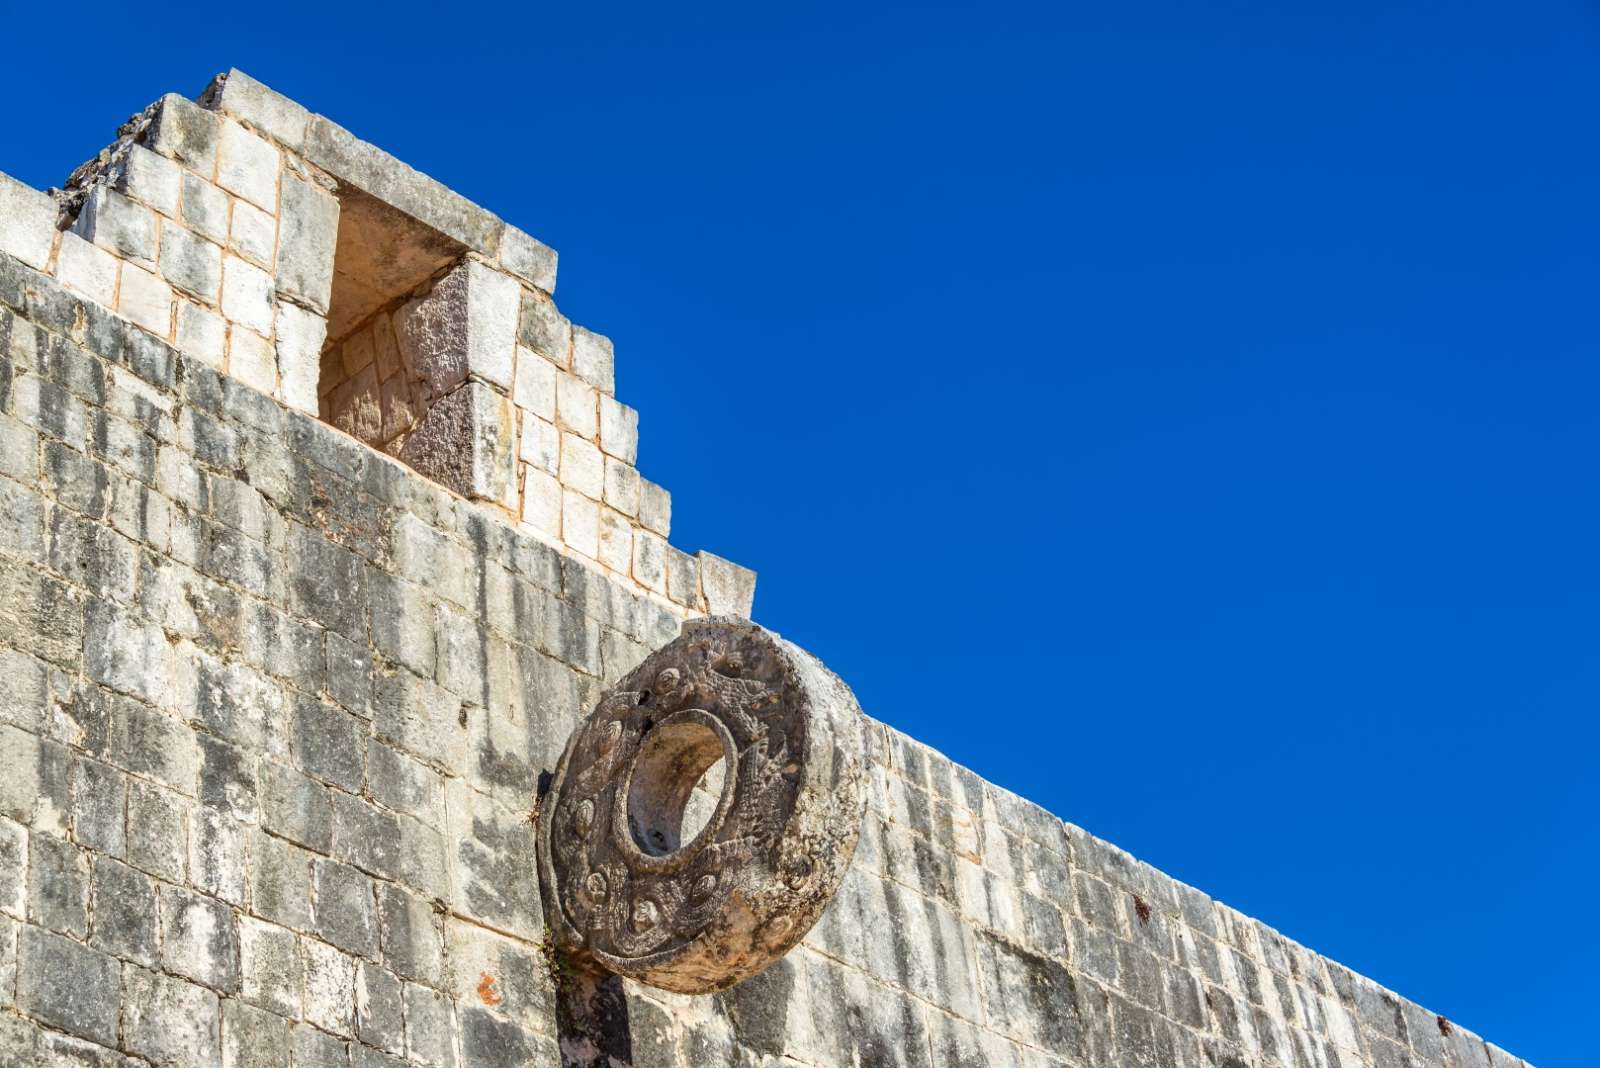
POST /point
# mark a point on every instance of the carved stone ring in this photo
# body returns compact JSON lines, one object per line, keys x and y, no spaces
{"x":625,"y":887}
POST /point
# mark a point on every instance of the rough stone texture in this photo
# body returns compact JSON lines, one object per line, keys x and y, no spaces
{"x":698,"y":912}
{"x":190,"y":569}
{"x":27,"y":222}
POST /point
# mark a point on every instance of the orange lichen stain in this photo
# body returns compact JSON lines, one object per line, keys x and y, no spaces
{"x":486,"y":990}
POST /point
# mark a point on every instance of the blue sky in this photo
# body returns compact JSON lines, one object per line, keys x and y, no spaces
{"x":1186,"y":415}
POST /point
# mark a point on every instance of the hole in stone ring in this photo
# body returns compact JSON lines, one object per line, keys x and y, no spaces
{"x":663,"y":809}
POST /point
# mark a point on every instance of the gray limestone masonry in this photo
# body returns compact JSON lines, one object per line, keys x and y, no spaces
{"x":284,"y":674}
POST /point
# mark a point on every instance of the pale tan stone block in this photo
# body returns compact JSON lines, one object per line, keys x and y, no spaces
{"x":593,"y":360}
{"x":582,"y":468}
{"x":535,"y":389}
{"x":655,"y":507}
{"x":146,"y":300}
{"x":300,"y":336}
{"x":577,"y":406}
{"x":616,"y":541}
{"x":541,"y":501}
{"x":202,"y":334}
{"x":650,"y":561}
{"x":580,"y":523}
{"x":251,"y":360}
{"x":622,"y":486}
{"x":248,"y":166}
{"x":87,"y":268}
{"x":247,"y":295}
{"x":149,"y":179}
{"x":619,"y":429}
{"x":253,"y":233}
{"x":541,"y":444}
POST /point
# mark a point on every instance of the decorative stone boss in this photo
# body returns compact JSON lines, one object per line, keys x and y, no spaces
{"x":624,"y":889}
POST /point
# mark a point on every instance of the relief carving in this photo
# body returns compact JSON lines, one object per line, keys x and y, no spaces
{"x":700,"y":912}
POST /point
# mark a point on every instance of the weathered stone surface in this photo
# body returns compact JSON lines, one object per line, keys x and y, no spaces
{"x":528,"y":258}
{"x":117,"y":224}
{"x":705,"y":911}
{"x":27,"y":222}
{"x":186,"y":132}
{"x":309,"y":222}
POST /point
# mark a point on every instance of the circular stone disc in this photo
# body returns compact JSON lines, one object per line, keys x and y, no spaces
{"x":652,"y":896}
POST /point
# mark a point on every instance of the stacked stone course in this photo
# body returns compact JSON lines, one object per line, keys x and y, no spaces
{"x":274,"y":710}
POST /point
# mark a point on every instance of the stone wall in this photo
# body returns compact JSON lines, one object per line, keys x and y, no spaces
{"x":275,"y":710}
{"x":268,"y":243}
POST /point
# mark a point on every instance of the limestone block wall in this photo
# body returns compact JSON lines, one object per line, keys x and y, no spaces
{"x":274,"y":713}
{"x":275,"y":247}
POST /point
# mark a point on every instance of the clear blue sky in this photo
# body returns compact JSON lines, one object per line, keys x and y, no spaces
{"x":1186,"y":415}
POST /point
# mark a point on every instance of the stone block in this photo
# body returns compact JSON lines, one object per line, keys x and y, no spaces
{"x":205,"y":209}
{"x":58,"y":886}
{"x":593,"y":359}
{"x":622,"y":486}
{"x":616,"y":541}
{"x":345,"y":908}
{"x":252,"y":233}
{"x":528,"y":258}
{"x":403,"y":625}
{"x":270,"y":112}
{"x":300,"y":337}
{"x":251,"y":360}
{"x":540,"y":444}
{"x":146,"y":300}
{"x":544,"y":330}
{"x":247,"y":295}
{"x":296,"y":807}
{"x":309,"y":231}
{"x":170,"y":1022}
{"x":655,"y":508}
{"x":252,"y":1038}
{"x":577,"y":407}
{"x":149,"y":178}
{"x":125,"y":913}
{"x":199,"y":939}
{"x":541,"y":501}
{"x":580,"y":523}
{"x":27,"y":222}
{"x":88,"y":269}
{"x":582,"y":467}
{"x":352,"y":160}
{"x":493,"y":301}
{"x":247,"y":166}
{"x":683,"y":577}
{"x":124,"y":228}
{"x":728,"y":588}
{"x":217,"y":854}
{"x":202,"y":334}
{"x":191,"y":263}
{"x":330,"y":983}
{"x":411,"y":936}
{"x":329,"y":743}
{"x":13,"y":869}
{"x":650,"y":561}
{"x":184,"y":131}
{"x":280,"y":882}
{"x":158,"y":831}
{"x":69,"y":986}
{"x":430,"y":1027}
{"x":270,"y":966}
{"x":380,"y":1010}
{"x":498,"y":972}
{"x":619,"y":430}
{"x":535,"y":389}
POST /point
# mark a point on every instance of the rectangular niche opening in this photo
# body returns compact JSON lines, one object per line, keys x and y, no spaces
{"x":395,"y":345}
